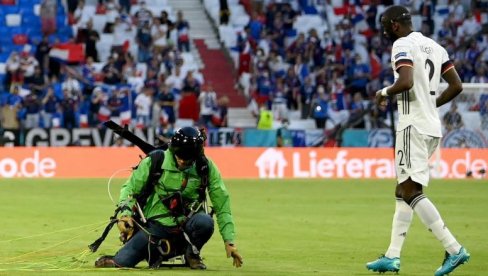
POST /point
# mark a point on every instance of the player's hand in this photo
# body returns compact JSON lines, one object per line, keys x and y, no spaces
{"x":381,"y":100}
{"x":231,"y":251}
{"x":126,"y":228}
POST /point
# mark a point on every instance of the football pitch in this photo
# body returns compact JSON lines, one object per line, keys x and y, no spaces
{"x":284,"y":227}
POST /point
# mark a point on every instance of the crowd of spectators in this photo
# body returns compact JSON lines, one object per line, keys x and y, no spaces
{"x":332,"y":76}
{"x":149,"y":86}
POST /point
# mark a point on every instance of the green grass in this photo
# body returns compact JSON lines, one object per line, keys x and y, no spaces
{"x":293,"y":227}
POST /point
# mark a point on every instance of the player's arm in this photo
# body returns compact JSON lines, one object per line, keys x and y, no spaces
{"x":453,"y":89}
{"x":404,"y":81}
{"x":402,"y":84}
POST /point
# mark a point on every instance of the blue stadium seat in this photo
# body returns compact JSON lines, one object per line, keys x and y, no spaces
{"x":33,"y":30}
{"x":26,"y":10}
{"x":4,"y":56}
{"x":3,"y":98}
{"x":65,"y":31}
{"x":17,"y":30}
{"x":60,"y":21}
{"x":29,"y":20}
{"x":7,"y":9}
{"x":28,"y":3}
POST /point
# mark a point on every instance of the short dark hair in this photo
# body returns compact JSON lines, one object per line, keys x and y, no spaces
{"x":398,"y":14}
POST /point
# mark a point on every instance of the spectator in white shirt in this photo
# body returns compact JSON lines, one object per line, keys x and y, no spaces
{"x":175,"y":81}
{"x":208,"y":105}
{"x":72,"y":85}
{"x":143,"y":103}
{"x":469,"y":27}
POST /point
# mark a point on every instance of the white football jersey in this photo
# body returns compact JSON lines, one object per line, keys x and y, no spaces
{"x":429,"y":60}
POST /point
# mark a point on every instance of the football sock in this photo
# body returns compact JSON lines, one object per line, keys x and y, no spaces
{"x":401,"y":222}
{"x":431,"y":218}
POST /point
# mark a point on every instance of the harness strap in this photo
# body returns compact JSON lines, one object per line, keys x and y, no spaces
{"x":113,"y":219}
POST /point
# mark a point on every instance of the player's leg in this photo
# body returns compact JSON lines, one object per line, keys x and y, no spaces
{"x":402,"y":218}
{"x":400,"y":225}
{"x":419,"y":148}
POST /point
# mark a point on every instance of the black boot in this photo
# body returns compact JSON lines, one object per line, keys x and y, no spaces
{"x":193,"y":260}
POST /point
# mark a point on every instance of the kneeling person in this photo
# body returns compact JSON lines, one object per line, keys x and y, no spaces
{"x":177,"y":223}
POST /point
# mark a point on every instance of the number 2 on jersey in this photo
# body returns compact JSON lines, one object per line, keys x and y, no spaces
{"x":431,"y":66}
{"x":400,"y":154}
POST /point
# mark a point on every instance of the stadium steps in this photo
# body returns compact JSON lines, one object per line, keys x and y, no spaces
{"x":220,"y":72}
{"x":241,"y":118}
{"x":206,"y":49}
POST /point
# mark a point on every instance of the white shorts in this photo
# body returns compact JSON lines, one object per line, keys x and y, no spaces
{"x":412,"y":154}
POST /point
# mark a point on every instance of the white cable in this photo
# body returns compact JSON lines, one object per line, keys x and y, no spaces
{"x":110,"y":180}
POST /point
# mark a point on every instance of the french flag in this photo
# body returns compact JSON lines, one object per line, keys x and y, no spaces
{"x":68,"y":52}
{"x":103,"y":113}
{"x":125,"y":117}
{"x":83,"y":120}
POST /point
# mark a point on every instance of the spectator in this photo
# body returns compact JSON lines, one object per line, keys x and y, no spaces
{"x":9,"y":111}
{"x":125,"y":6}
{"x":114,"y":105}
{"x":81,"y":16}
{"x":357,"y":112}
{"x":122,"y":31}
{"x":166,"y":23}
{"x":279,"y":103}
{"x":208,"y":105}
{"x":224,"y":13}
{"x":144,"y":42}
{"x":98,"y":98}
{"x":469,"y":27}
{"x":167,"y":103}
{"x":72,"y":85}
{"x":283,"y":135}
{"x":49,"y":108}
{"x":220,"y":118}
{"x":305,"y":97}
{"x":42,"y":54}
{"x":183,"y":33}
{"x":320,"y":107}
{"x":111,"y":73}
{"x":89,"y":37}
{"x":361,"y":75}
{"x":158,"y":33}
{"x":265,"y":118}
{"x":28,"y":63}
{"x":37,"y":83}
{"x":175,"y":81}
{"x":143,"y":16}
{"x":480,"y":75}
{"x":32,"y":107}
{"x":191,"y":84}
{"x":48,"y":16}
{"x":143,"y":103}
{"x":69,"y":106}
{"x":452,"y":119}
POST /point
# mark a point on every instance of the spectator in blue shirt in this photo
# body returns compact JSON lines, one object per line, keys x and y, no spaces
{"x":320,"y":109}
{"x":49,"y":107}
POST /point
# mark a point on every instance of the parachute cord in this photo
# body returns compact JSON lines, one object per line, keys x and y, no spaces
{"x":100,"y":224}
{"x":110,"y":180}
{"x":52,"y":246}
